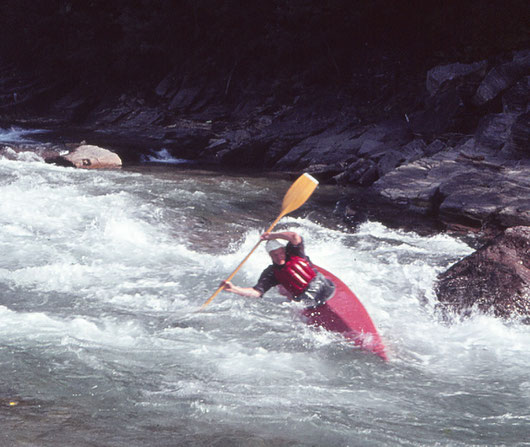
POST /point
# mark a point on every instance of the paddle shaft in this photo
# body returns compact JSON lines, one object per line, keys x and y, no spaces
{"x":242,"y":262}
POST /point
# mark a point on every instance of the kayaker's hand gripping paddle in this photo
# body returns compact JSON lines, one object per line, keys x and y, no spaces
{"x":294,"y":198}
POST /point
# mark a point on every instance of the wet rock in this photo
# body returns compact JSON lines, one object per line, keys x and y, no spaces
{"x":325,"y":172}
{"x":186,"y":139}
{"x":362,"y":172}
{"x":495,"y":279}
{"x":88,"y":157}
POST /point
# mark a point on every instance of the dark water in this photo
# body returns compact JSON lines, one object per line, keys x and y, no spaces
{"x":100,"y":345}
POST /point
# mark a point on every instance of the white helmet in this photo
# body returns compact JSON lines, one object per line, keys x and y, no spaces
{"x":274,"y":244}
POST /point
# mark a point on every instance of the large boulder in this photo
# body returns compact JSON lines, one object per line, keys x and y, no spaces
{"x":88,"y":156}
{"x":494,"y":280}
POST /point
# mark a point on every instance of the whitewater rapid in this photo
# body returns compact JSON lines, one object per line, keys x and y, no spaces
{"x":102,"y":273}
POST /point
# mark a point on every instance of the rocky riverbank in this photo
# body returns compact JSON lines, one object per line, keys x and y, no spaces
{"x":461,"y":155}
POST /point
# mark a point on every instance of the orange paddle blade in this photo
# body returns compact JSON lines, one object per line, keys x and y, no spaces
{"x":296,"y":196}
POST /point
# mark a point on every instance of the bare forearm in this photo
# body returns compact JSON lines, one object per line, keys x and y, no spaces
{"x":246,"y":291}
{"x":243,"y":291}
{"x":290,"y":236}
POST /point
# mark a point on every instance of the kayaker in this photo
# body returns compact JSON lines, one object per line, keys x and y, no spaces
{"x":291,"y":270}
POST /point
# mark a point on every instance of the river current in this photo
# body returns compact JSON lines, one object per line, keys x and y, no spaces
{"x":101,"y":344}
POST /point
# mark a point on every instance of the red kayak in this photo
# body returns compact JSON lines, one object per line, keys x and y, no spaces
{"x":344,"y":313}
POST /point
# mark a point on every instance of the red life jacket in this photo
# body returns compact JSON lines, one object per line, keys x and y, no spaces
{"x":295,"y":275}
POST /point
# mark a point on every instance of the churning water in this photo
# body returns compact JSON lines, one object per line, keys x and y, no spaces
{"x":101,"y":274}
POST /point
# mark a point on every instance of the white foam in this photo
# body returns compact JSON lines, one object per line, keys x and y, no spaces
{"x":163,"y":156}
{"x":18,"y":135}
{"x":39,"y":326}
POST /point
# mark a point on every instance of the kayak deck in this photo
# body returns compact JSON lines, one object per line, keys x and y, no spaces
{"x":344,"y":313}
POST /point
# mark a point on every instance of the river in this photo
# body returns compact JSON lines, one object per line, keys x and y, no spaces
{"x":102,"y":273}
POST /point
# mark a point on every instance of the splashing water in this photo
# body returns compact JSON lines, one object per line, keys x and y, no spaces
{"x":101,"y":274}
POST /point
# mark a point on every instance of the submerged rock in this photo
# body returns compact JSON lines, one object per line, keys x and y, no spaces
{"x":495,"y":279}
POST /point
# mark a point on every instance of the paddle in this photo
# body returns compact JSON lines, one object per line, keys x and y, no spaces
{"x":294,"y":198}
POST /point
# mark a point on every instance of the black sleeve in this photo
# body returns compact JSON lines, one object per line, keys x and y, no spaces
{"x":266,"y":280}
{"x":296,"y":250}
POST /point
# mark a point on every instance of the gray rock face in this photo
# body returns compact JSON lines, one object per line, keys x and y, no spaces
{"x":501,"y":77}
{"x":460,"y":189}
{"x":495,"y":130}
{"x":520,"y":135}
{"x":495,"y":279}
{"x":437,"y":76}
{"x":482,"y":179}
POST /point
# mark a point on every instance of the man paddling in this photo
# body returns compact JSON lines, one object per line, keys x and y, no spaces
{"x":291,"y":270}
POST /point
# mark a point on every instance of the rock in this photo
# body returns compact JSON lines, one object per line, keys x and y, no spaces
{"x":390,"y":134}
{"x":88,"y":157}
{"x":495,"y":279}
{"x":165,"y":85}
{"x":515,"y":213}
{"x":517,"y":98}
{"x":501,"y":77}
{"x":410,"y":186}
{"x":331,"y":146}
{"x":413,"y":150}
{"x":184,"y":98}
{"x":467,"y":198}
{"x":344,"y":144}
{"x":441,"y":113}
{"x":325,"y":172}
{"x":450,"y":89}
{"x":435,"y":147}
{"x":482,"y":194}
{"x":494,"y":130}
{"x":520,"y":138}
{"x":471,"y":190}
{"x":362,"y":172}
{"x":187,"y":139}
{"x":437,"y":76}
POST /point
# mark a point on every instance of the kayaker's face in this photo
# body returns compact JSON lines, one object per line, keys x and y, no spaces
{"x":278,"y":256}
